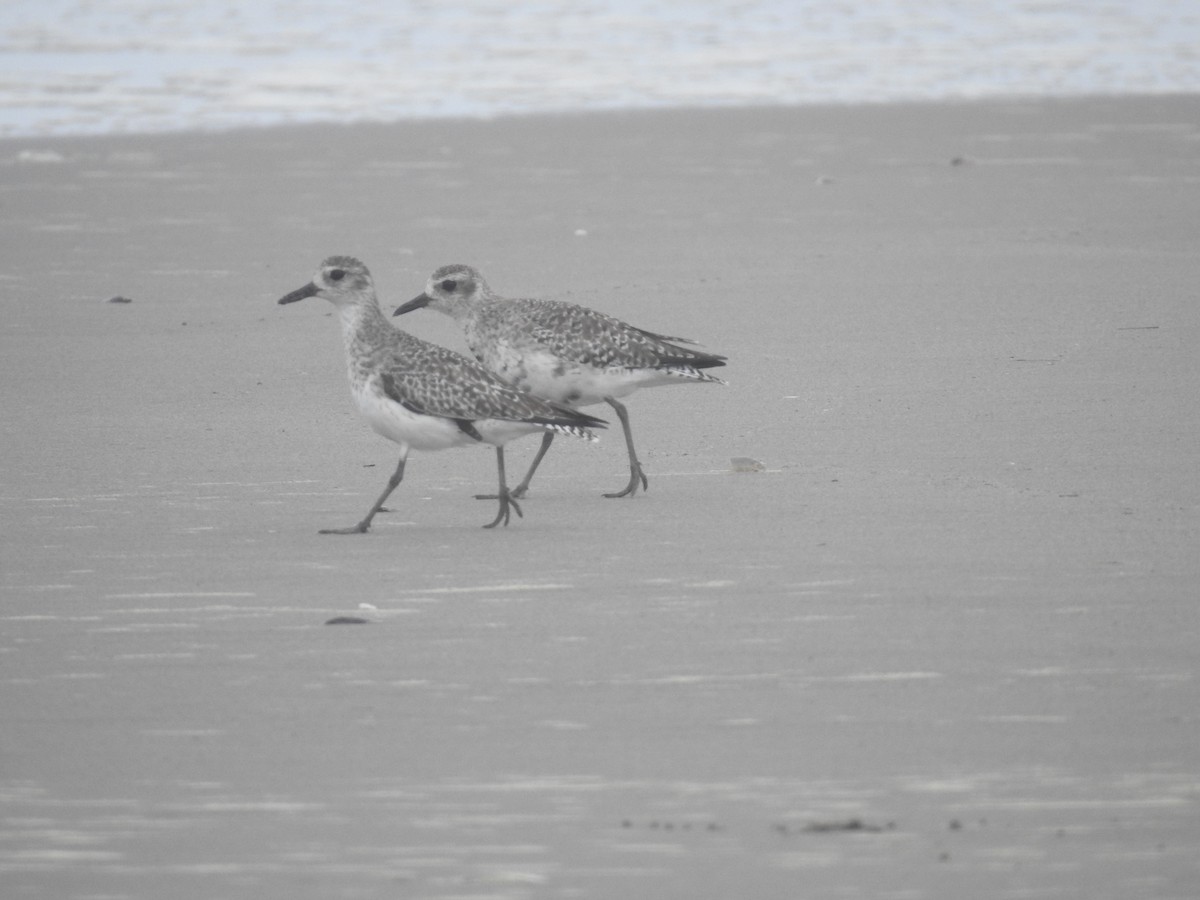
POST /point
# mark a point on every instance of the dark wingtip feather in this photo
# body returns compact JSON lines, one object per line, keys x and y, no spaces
{"x":586,"y":421}
{"x":572,"y":421}
{"x":693,"y":359}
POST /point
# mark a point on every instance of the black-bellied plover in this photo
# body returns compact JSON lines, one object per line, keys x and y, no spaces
{"x":425,"y":397}
{"x":563,"y":352}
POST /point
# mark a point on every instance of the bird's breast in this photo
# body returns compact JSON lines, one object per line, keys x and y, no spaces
{"x":397,"y":423}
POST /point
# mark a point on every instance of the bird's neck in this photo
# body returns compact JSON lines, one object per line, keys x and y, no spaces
{"x":462,"y":310}
{"x":364,"y":328}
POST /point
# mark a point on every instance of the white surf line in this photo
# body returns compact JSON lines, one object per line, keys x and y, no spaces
{"x":835,"y":582}
{"x":253,"y":483}
{"x":38,"y":587}
{"x":216,"y":612}
{"x":490,"y":589}
{"x":694,"y":679}
{"x":169,"y":596}
{"x":880,"y":676}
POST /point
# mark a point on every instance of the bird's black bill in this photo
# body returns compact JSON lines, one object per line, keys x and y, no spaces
{"x":415,"y":303}
{"x":309,"y":290}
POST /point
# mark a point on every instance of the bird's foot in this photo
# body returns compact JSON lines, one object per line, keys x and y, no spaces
{"x":360,"y":528}
{"x":636,"y":476}
{"x":517,"y":493}
{"x":507,"y":503}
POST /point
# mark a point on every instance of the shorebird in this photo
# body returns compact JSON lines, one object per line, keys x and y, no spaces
{"x":425,"y":397}
{"x":563,"y":352}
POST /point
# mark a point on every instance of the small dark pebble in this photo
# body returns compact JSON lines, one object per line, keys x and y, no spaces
{"x":348,"y":620}
{"x":119,"y":299}
{"x":846,"y":825}
{"x":664,"y":825}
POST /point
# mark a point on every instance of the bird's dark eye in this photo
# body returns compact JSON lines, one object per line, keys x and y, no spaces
{"x":337,"y":274}
{"x":449,"y":285}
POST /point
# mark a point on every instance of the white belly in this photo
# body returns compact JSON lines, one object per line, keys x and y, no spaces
{"x":408,"y":429}
{"x":547,"y":376}
{"x":420,"y":432}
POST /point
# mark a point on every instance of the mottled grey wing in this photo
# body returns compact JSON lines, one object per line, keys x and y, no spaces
{"x":594,"y":338}
{"x":440,"y":382}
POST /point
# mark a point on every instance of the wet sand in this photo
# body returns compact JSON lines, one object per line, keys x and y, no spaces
{"x":943,"y":646}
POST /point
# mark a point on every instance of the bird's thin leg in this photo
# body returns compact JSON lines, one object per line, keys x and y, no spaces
{"x":635,"y":468}
{"x":393,"y":483}
{"x":522,"y":489}
{"x":506,"y":499}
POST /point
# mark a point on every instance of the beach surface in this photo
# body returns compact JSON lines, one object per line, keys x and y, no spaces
{"x":940,"y":642}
